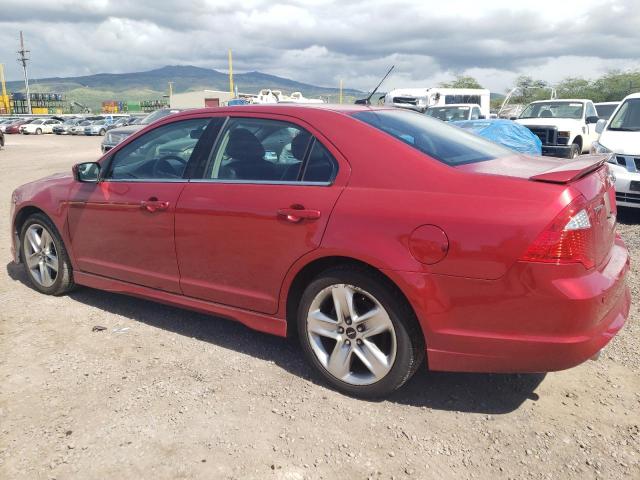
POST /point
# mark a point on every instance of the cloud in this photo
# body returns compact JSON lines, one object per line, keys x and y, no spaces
{"x":324,"y":41}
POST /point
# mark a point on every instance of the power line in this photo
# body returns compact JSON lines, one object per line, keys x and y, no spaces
{"x":23,"y":59}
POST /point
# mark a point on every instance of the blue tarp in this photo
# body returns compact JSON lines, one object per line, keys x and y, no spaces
{"x":506,"y":133}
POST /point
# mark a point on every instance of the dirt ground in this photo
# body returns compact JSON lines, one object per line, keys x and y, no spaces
{"x":165,"y":393}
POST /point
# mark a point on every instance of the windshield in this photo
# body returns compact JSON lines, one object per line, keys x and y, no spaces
{"x":438,"y":140}
{"x":71,"y":121}
{"x":86,"y":122}
{"x":627,"y":118}
{"x":554,"y":110}
{"x":157,"y":115}
{"x":605,"y":111}
{"x":37,"y":122}
{"x":449,"y":114}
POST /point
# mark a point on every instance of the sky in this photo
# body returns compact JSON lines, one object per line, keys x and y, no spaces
{"x":323,"y":41}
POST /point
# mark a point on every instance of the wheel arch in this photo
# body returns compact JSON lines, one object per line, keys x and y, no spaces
{"x":315,"y":267}
{"x":578,"y":140}
{"x":21,"y":216}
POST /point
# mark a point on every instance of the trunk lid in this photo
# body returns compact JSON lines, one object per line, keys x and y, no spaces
{"x":587,"y":175}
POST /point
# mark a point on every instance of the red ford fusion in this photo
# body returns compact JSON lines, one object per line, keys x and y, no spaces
{"x":378,"y":236}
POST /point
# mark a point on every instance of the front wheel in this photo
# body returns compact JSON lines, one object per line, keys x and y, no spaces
{"x":44,"y":256}
{"x":358,"y":333}
{"x":102,"y":132}
{"x":39,"y":131}
{"x":576,"y":150}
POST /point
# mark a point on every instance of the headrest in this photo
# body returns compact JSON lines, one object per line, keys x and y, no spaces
{"x":244,"y":146}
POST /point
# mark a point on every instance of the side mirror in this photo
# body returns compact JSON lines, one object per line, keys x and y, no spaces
{"x":513,"y":118}
{"x":592,"y":119}
{"x":600,"y":124}
{"x":482,"y":117}
{"x":88,"y":172}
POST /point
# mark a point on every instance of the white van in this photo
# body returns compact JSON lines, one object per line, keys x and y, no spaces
{"x":620,"y":135}
{"x":422,"y":98}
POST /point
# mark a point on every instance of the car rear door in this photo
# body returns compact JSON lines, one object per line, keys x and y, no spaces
{"x":123,"y":226}
{"x":263,"y":200}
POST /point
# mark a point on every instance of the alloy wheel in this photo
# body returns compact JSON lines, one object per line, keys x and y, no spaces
{"x":40,"y":255}
{"x":351,"y":334}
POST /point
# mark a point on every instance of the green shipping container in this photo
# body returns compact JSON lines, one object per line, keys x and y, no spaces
{"x":133,"y":106}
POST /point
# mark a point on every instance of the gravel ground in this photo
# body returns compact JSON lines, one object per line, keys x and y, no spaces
{"x":168,"y":394}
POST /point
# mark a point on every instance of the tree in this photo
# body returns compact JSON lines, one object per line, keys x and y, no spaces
{"x":462,"y":81}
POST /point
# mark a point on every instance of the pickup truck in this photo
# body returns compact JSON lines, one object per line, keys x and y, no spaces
{"x":567,"y":128}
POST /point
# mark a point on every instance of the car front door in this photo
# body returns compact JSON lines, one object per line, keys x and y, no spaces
{"x":263,"y":201}
{"x":123,"y":226}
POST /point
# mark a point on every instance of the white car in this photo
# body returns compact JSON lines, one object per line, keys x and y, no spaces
{"x":620,"y":135}
{"x":39,"y":126}
{"x":567,"y":128}
{"x":456,"y":112}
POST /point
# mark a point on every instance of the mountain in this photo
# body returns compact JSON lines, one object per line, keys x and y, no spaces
{"x":155,"y":83}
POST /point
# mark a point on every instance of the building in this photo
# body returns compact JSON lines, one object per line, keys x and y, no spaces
{"x":200,"y":99}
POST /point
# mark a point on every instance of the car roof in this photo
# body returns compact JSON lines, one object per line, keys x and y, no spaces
{"x":633,"y":95}
{"x":455,"y":105}
{"x":563,"y":100}
{"x":607,"y":103}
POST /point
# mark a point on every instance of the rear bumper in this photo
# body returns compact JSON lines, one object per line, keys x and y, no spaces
{"x":537,"y":318}
{"x":561,"y":151}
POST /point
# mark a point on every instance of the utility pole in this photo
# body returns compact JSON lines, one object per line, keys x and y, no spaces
{"x":230,"y":73}
{"x":23,"y":59}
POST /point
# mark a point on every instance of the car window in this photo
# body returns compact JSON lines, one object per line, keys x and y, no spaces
{"x":161,"y":154}
{"x":627,"y":117}
{"x":438,"y":140}
{"x":256,"y":149}
{"x":321,"y":166}
{"x":475,"y":113}
{"x":591,"y":110}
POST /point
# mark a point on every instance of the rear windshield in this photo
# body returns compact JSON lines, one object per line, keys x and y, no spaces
{"x":435,"y":138}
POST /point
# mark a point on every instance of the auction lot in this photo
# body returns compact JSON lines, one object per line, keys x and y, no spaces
{"x":166,"y":393}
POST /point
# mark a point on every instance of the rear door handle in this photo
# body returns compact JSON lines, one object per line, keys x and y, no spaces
{"x":154,"y":205}
{"x":295,"y":214}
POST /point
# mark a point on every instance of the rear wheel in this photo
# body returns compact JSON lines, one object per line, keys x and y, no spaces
{"x":44,"y":256}
{"x":358,"y":333}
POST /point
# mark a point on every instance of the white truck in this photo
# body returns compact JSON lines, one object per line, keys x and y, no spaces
{"x":567,"y":127}
{"x":456,"y":112}
{"x":620,"y":137}
{"x":422,"y":98}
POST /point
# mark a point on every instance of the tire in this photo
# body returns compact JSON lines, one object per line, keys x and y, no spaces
{"x":41,"y":272}
{"x":102,"y":132}
{"x":38,"y":131}
{"x":354,"y":341}
{"x":576,"y":150}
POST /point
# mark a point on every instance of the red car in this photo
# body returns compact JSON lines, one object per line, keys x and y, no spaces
{"x":14,"y":127}
{"x":378,"y":236}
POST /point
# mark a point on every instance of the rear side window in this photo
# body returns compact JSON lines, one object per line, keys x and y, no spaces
{"x":448,"y":144}
{"x":321,"y":166}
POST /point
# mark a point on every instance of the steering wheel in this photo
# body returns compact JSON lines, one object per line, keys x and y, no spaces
{"x":163,"y":167}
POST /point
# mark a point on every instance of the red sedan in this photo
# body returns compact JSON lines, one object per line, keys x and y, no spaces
{"x":377,"y":236}
{"x":14,"y":127}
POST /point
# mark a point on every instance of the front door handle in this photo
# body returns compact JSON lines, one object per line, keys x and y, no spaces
{"x":154,"y":205}
{"x":297,"y":213}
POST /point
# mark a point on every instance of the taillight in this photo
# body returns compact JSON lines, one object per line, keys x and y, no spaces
{"x":568,"y":239}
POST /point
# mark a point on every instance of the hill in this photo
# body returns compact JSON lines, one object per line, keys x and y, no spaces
{"x":92,"y":89}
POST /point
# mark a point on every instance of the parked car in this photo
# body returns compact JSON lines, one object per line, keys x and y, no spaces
{"x":39,"y":126}
{"x":620,"y":137}
{"x":65,"y":127}
{"x":567,"y":128}
{"x":605,"y":109}
{"x":454,"y":113}
{"x":293,"y":219}
{"x":1,"y":139}
{"x":14,"y":127}
{"x":117,"y":135}
{"x":97,"y":127}
{"x":5,"y":122}
{"x":507,"y":133}
{"x":79,"y":128}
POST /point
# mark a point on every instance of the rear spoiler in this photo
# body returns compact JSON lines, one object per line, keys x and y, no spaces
{"x":572,"y":170}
